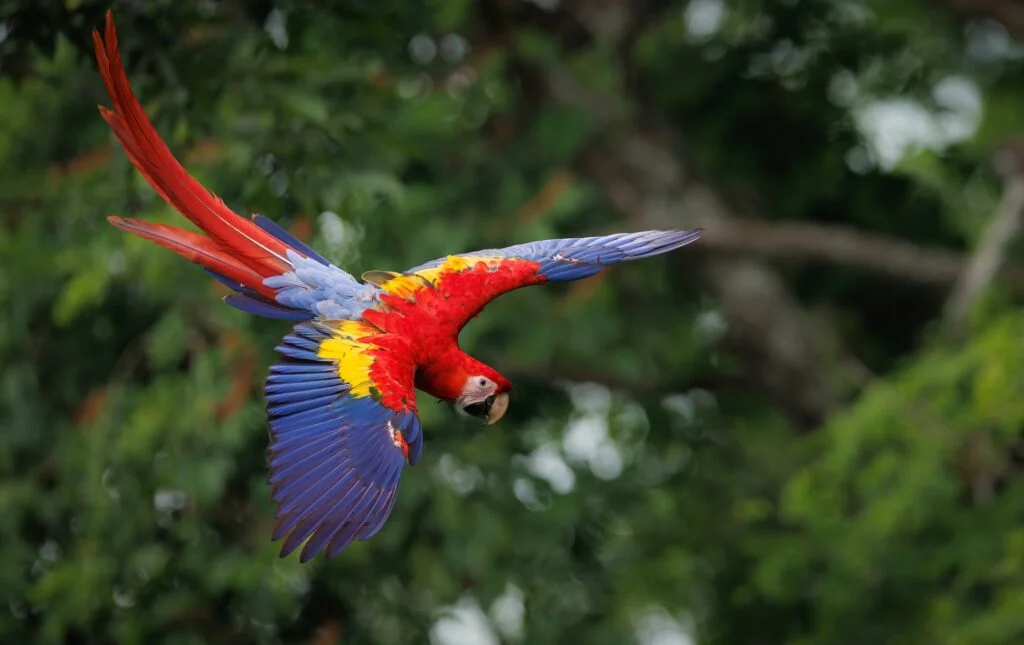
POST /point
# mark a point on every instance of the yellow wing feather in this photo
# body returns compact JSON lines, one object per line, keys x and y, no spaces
{"x":406,"y":285}
{"x":351,"y":355}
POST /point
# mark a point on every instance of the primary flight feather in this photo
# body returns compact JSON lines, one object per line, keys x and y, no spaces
{"x":341,"y":399}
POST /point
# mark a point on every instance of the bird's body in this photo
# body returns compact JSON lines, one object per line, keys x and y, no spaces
{"x":341,"y":400}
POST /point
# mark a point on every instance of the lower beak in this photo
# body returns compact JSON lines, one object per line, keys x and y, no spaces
{"x":498,"y":408}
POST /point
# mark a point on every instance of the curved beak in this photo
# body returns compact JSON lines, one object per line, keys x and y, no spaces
{"x":498,"y":408}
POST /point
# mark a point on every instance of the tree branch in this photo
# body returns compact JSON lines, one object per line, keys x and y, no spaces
{"x":990,"y":256}
{"x":846,"y":246}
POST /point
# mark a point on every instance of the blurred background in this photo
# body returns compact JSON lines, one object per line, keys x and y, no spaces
{"x":804,"y":429}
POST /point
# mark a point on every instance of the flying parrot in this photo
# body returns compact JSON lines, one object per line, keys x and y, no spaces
{"x":341,"y":398}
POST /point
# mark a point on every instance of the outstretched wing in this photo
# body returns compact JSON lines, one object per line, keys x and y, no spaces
{"x":471,"y":280}
{"x":343,"y":424}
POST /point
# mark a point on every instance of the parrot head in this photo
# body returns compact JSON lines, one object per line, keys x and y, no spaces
{"x":484,"y":398}
{"x":476,"y":389}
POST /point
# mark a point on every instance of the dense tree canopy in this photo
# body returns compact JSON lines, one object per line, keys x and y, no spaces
{"x":806,"y":428}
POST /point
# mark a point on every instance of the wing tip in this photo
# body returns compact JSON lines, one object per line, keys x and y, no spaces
{"x":667,"y":240}
{"x":291,"y":544}
{"x":684,"y":234}
{"x":287,"y":548}
{"x":689,"y":236}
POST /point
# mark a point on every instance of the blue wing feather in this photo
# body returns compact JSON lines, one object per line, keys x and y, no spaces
{"x":344,"y":515}
{"x":231,"y":284}
{"x":275,"y":229}
{"x":298,"y":379}
{"x":285,"y":370}
{"x":334,"y":466}
{"x":568,"y":259}
{"x":301,"y":338}
{"x":260,"y":308}
{"x":302,"y":389}
{"x":251,"y":302}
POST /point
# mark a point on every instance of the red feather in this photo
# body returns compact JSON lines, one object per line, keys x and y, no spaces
{"x":436,"y":313}
{"x":262,"y":253}
{"x":196,"y":248}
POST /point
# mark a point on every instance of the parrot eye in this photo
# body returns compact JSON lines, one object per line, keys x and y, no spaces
{"x":483,"y":382}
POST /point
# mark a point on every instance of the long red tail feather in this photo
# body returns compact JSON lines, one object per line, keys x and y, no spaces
{"x":196,"y":248}
{"x":261,"y":253}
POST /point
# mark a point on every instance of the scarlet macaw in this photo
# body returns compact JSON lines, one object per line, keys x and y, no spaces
{"x":340,"y":400}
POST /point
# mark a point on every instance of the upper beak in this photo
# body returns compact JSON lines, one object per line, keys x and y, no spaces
{"x":498,"y":408}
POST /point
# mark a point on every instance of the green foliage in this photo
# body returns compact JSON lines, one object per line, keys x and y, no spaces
{"x":645,"y":475}
{"x":914,"y":489}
